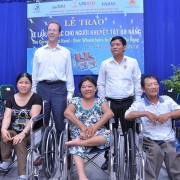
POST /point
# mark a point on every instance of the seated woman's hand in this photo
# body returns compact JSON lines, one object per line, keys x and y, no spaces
{"x":90,"y":131}
{"x":18,"y":138}
{"x":83,"y":136}
{"x":5,"y":135}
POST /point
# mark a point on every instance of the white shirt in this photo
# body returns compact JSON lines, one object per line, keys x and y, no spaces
{"x":53,"y":64}
{"x":158,"y":131}
{"x":118,"y":81}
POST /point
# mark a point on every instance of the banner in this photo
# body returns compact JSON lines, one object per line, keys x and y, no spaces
{"x":87,"y":28}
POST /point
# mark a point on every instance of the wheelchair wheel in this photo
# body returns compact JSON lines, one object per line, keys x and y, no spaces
{"x":49,"y":152}
{"x":140,"y":168}
{"x":63,"y":156}
{"x":29,"y":166}
{"x":115,"y":151}
{"x":131,"y":160}
{"x":140,"y":162}
{"x":121,"y":157}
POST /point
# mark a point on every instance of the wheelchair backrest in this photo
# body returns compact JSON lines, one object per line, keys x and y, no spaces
{"x":6,"y":91}
{"x":174,"y":95}
{"x":2,"y":108}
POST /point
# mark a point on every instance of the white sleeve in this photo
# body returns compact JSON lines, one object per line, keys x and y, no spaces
{"x":101,"y":82}
{"x":137,"y":81}
{"x":34,"y":73}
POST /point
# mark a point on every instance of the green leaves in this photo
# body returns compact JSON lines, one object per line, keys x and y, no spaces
{"x":174,"y":81}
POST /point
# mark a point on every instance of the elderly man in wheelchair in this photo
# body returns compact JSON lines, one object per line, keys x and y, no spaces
{"x":87,"y":116}
{"x":156,"y":113}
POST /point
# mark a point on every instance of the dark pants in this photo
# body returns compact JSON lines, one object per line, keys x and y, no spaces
{"x":156,"y":153}
{"x":119,"y":108}
{"x":55,"y":96}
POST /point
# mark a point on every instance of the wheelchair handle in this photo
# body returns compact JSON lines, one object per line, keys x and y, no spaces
{"x":112,"y":120}
{"x":38,"y":117}
{"x":66,"y":120}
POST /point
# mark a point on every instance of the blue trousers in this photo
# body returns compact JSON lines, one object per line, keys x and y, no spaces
{"x":55,"y":96}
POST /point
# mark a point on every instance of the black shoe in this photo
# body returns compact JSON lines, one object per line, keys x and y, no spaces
{"x":105,"y":165}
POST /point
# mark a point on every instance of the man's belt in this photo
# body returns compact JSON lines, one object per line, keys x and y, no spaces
{"x":52,"y":82}
{"x":119,"y":101}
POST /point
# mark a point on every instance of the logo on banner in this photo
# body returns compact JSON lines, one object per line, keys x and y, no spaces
{"x":132,"y":2}
{"x":36,"y":7}
{"x":76,"y":3}
{"x":109,"y":3}
{"x":59,"y":6}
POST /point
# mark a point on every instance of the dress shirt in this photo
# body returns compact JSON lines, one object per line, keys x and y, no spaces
{"x":53,"y":64}
{"x":159,"y":131}
{"x":119,"y":81}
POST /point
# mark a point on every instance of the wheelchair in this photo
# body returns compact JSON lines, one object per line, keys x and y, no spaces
{"x":67,"y":167}
{"x":135,"y":154}
{"x":6,"y":91}
{"x":42,"y":143}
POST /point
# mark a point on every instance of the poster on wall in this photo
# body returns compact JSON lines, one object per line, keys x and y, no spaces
{"x":87,"y":28}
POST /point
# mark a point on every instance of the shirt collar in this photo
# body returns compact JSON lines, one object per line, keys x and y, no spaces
{"x":124,"y":59}
{"x":147,"y":102}
{"x":57,"y":47}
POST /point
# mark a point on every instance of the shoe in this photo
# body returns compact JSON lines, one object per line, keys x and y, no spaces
{"x":104,"y":165}
{"x":4,"y":166}
{"x":38,"y":161}
{"x":22,"y":177}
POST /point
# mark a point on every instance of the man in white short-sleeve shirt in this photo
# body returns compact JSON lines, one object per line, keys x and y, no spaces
{"x":156,"y":113}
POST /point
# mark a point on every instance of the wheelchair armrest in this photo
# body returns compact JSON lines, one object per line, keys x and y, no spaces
{"x":138,"y":126}
{"x":38,"y":117}
{"x":111,"y":121}
{"x":37,"y":122}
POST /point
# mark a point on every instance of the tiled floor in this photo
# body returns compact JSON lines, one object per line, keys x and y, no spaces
{"x":92,"y":173}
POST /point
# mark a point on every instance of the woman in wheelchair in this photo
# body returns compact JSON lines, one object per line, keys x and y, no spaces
{"x":20,"y":109}
{"x":87,"y":116}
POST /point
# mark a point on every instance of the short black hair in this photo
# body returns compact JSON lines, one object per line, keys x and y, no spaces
{"x":87,"y":78}
{"x":149,"y":76}
{"x":24,"y":74}
{"x":55,"y":22}
{"x":123,"y":41}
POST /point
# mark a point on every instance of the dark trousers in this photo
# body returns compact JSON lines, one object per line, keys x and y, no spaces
{"x":119,"y":109}
{"x":55,"y":96}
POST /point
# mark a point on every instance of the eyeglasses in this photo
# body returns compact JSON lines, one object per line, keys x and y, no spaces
{"x":52,"y":30}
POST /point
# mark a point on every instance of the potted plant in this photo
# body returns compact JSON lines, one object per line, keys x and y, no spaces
{"x":174,"y":81}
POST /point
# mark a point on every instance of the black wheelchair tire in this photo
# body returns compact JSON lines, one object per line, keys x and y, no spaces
{"x":121,"y":158}
{"x":49,"y":152}
{"x":63,"y":156}
{"x":115,"y":151}
{"x":131,"y":158}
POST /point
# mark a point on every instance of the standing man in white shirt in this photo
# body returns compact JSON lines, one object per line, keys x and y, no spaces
{"x":119,"y":81}
{"x":52,"y":76}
